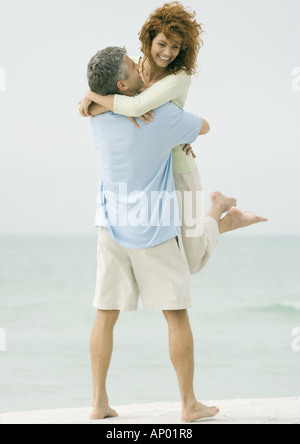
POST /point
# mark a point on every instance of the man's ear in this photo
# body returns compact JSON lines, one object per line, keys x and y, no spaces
{"x":122,"y":86}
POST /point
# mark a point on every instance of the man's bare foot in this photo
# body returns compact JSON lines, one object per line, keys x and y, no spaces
{"x":236,"y":219}
{"x":198,"y":411}
{"x":103,"y":412}
{"x":225,"y":203}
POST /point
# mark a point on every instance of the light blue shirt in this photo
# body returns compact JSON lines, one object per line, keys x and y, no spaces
{"x":136,"y":198}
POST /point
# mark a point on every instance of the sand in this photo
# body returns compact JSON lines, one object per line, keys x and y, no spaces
{"x":238,"y":411}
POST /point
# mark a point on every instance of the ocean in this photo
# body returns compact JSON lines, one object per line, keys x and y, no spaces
{"x":246,"y":307}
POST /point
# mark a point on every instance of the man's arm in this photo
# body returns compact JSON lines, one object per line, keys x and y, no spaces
{"x":187,"y":148}
{"x":205,"y":128}
{"x":183,"y":126}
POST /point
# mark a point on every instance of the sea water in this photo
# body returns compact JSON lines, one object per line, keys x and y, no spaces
{"x":246,"y":307}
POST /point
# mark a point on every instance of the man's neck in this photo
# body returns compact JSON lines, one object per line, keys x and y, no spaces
{"x":129,"y":93}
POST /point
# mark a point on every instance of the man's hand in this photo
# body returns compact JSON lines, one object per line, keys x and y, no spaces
{"x":83,"y":107}
{"x":146,"y":118}
{"x":187,"y":149}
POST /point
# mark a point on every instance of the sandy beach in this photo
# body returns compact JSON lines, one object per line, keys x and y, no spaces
{"x":238,"y":411}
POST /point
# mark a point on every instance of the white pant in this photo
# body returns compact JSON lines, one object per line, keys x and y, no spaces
{"x":198,"y":250}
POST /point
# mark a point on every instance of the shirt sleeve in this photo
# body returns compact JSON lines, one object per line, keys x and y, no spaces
{"x":183,"y":127}
{"x":163,"y":91}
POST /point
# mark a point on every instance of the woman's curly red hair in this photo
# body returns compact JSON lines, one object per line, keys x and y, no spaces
{"x":174,"y":18}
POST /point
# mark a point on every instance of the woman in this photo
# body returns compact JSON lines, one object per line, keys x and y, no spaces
{"x":171,"y":40}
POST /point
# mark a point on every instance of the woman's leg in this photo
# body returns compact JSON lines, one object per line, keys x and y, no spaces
{"x":199,"y":241}
{"x":199,"y":244}
{"x":236,"y":219}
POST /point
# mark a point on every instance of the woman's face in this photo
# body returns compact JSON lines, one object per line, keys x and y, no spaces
{"x":164,"y":51}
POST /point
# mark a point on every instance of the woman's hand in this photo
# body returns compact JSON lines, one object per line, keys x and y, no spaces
{"x":187,"y":149}
{"x":83,"y":107}
{"x":146,"y":118}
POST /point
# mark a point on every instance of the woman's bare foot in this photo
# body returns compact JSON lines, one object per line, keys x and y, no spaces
{"x":103,"y":412}
{"x":223,"y":202}
{"x":198,"y":411}
{"x":236,"y":219}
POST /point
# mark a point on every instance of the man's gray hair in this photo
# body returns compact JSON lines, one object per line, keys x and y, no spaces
{"x":105,"y":69}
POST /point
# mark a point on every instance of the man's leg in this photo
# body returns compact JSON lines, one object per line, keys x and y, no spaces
{"x":182,"y":355}
{"x":101,"y":346}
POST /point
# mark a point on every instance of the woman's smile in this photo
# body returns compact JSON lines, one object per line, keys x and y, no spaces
{"x":166,"y":59}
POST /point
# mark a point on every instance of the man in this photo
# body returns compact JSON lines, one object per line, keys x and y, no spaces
{"x":137,"y":257}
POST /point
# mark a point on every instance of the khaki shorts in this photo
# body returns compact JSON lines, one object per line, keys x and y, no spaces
{"x":159,"y":275}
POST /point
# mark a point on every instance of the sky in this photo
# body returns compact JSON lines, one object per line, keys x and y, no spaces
{"x":247,"y":87}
